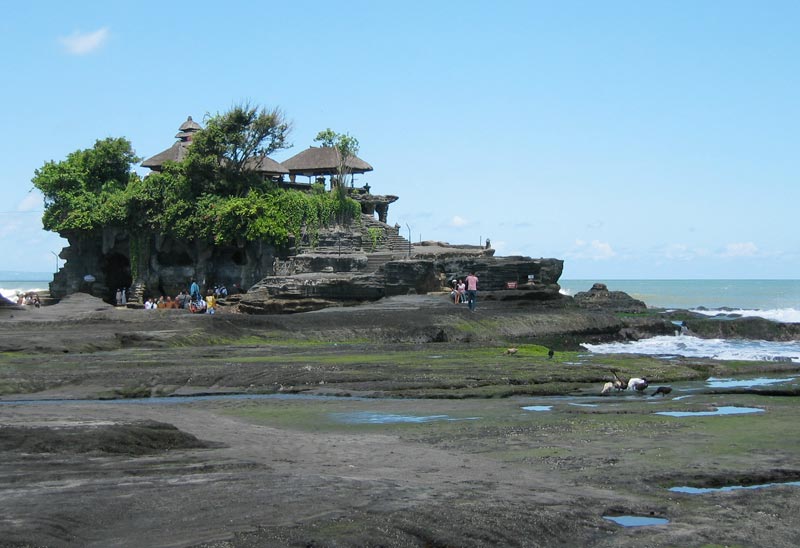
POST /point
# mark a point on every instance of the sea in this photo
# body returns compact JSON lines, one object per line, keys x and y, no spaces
{"x":14,"y":282}
{"x":777,"y":300}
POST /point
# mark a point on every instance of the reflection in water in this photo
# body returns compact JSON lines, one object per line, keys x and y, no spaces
{"x":702,"y":490}
{"x":538,"y":407}
{"x":636,"y":521}
{"x":367,"y":417}
{"x":712,"y":382}
{"x":730,"y":410}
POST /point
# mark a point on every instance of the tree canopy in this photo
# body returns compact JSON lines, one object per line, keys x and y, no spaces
{"x":213,"y":194}
{"x":86,"y":191}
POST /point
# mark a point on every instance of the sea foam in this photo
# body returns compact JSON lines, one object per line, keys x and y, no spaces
{"x":695,"y":347}
{"x":783,"y":315}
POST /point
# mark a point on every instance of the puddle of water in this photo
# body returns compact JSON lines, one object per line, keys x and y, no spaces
{"x":702,"y":490}
{"x":636,"y":521}
{"x":713,"y":382}
{"x":729,"y":410}
{"x":682,"y":397}
{"x":538,"y":407}
{"x":367,"y":417}
{"x":584,"y":404}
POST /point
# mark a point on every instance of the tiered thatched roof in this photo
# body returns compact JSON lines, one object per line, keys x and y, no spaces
{"x":322,"y":161}
{"x":177,"y":152}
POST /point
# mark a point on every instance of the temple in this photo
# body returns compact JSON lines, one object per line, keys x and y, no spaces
{"x":319,"y":165}
{"x":364,"y":261}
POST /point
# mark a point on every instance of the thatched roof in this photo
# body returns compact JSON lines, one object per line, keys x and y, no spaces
{"x":266,"y":165}
{"x":322,"y":161}
{"x":190,"y":125}
{"x":175,"y":153}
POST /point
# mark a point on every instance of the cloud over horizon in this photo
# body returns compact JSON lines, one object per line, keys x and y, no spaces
{"x":740,"y":249}
{"x":81,"y":43}
{"x":458,"y":221}
{"x":594,"y":250}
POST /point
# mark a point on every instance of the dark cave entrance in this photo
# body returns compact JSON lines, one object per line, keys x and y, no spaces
{"x":117,"y":269}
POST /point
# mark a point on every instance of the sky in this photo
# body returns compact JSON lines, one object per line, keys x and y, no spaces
{"x":631,"y":139}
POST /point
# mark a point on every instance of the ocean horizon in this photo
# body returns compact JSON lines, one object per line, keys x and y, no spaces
{"x":776,"y":297}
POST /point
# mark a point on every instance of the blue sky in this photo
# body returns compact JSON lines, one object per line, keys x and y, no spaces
{"x":631,"y":139}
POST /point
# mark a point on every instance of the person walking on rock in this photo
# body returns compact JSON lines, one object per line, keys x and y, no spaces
{"x":472,"y":290}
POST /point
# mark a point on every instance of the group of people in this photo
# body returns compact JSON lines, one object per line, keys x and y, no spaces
{"x":193,"y":300}
{"x":465,"y":290}
{"x":29,"y":299}
{"x":122,"y":296}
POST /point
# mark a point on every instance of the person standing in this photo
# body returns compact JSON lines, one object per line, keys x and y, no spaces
{"x":472,"y":290}
{"x":211,"y":303}
{"x":194,"y":291}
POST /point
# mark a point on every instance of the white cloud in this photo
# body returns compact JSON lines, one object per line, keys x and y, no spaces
{"x":594,"y":250}
{"x":681,"y":252}
{"x":740,"y":249}
{"x":79,"y":43}
{"x":458,"y":221}
{"x":9,"y":226}
{"x":31,"y":202}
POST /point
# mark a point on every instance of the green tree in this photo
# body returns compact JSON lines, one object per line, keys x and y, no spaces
{"x":87,"y":190}
{"x":222,"y":157}
{"x":213,"y":194}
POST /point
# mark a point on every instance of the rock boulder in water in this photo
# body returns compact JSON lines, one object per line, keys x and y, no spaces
{"x":599,"y":297}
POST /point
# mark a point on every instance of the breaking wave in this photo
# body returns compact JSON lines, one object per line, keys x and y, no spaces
{"x":695,"y":347}
{"x":783,"y":315}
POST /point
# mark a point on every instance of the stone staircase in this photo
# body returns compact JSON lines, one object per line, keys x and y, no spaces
{"x":136,"y":294}
{"x":377,"y":259}
{"x":392,"y":240}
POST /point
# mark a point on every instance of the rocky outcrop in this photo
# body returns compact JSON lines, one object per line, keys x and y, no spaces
{"x":331,"y":269}
{"x":318,"y":281}
{"x":599,"y":297}
{"x":751,"y":328}
{"x":497,"y":273}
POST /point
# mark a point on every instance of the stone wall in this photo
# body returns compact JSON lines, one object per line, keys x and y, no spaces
{"x":166,"y":267}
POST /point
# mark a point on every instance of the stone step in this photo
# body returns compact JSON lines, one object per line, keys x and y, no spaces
{"x":377,"y":260}
{"x":392,"y":239}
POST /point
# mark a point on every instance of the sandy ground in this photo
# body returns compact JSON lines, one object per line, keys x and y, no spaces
{"x":292,"y":472}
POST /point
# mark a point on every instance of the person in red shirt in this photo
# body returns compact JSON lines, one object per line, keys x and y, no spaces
{"x":472,"y":290}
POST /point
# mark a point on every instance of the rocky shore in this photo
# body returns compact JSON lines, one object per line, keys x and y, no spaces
{"x":407,"y":421}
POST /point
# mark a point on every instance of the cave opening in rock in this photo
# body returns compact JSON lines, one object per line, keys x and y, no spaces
{"x":117,"y":270}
